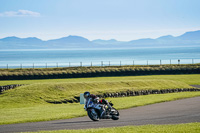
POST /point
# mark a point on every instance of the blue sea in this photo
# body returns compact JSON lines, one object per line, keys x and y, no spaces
{"x":98,"y":57}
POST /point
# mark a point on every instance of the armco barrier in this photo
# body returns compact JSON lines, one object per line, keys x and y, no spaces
{"x":8,"y":87}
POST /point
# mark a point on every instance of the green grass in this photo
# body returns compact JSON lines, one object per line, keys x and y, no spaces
{"x":45,"y":112}
{"x":41,"y":112}
{"x":54,"y":91}
{"x":191,"y":79}
{"x":177,"y":128}
{"x":28,"y":103}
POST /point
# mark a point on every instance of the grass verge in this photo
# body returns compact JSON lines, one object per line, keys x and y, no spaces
{"x":180,"y":128}
{"x":191,"y":79}
{"x":51,"y":91}
{"x":44,"y":112}
{"x":27,"y":103}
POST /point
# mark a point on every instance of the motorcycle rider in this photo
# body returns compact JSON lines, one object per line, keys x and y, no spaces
{"x":95,"y":99}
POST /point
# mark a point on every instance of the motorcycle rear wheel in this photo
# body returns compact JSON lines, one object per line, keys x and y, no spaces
{"x":92,"y":116}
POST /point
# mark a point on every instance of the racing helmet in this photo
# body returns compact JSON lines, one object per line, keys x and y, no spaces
{"x":86,"y":94}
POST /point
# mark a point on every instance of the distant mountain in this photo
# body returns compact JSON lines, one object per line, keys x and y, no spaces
{"x":168,"y":37}
{"x":187,"y":39}
{"x":69,"y":42}
{"x":21,"y":43}
{"x":192,"y":35}
{"x":17,"y":39}
{"x":11,"y":39}
{"x":70,"y":39}
{"x":35,"y":43}
{"x":147,"y":41}
{"x":111,"y":41}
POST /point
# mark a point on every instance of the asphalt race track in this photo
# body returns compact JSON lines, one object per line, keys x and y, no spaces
{"x":180,"y":111}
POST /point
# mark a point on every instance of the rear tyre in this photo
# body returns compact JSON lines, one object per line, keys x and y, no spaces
{"x":93,"y":116}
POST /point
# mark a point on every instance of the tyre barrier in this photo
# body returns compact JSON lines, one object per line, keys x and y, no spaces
{"x":8,"y":87}
{"x":128,"y":93}
{"x":144,"y":92}
{"x":63,"y":101}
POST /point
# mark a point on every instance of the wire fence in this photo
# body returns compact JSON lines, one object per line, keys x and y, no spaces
{"x":97,"y":63}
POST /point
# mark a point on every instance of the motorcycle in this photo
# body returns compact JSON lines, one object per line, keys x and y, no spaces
{"x":98,"y":111}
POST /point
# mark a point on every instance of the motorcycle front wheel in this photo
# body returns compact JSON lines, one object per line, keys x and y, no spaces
{"x":115,"y":114}
{"x":93,"y":115}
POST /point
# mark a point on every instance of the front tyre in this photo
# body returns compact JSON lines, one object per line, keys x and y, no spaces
{"x":115,"y":114}
{"x":93,"y":115}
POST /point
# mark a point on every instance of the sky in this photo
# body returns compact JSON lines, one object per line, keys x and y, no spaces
{"x":123,"y":20}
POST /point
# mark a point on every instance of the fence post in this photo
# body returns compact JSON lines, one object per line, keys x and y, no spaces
{"x":179,"y":61}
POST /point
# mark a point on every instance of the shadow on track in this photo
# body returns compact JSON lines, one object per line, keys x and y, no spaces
{"x":73,"y":122}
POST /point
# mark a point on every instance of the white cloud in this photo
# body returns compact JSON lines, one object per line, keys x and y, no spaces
{"x":20,"y":13}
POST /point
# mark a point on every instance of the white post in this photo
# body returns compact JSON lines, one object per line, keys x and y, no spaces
{"x":82,"y":99}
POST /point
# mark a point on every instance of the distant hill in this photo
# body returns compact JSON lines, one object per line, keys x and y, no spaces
{"x":35,"y":43}
{"x":21,"y":43}
{"x":187,"y":39}
{"x":16,"y":39}
{"x":70,"y":40}
{"x":193,"y":35}
{"x":168,"y":37}
{"x":111,"y":41}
